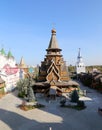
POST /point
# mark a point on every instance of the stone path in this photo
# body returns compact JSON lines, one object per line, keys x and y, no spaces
{"x":52,"y":116}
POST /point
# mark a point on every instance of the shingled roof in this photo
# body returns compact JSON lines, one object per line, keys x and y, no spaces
{"x":53,"y":41}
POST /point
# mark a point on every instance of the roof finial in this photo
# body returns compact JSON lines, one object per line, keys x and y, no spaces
{"x":53,"y":31}
{"x":79,"y":54}
{"x":53,"y":25}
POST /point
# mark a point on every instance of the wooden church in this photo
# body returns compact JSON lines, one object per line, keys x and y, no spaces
{"x":53,"y":73}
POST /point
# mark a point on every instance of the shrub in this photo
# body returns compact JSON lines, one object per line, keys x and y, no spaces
{"x":62,"y":102}
{"x":31,"y":96}
{"x":22,"y":86}
{"x":74,"y":96}
{"x":21,"y":94}
{"x":25,"y":89}
{"x":81,"y":104}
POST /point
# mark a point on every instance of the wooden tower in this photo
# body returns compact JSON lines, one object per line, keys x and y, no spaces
{"x":53,"y":68}
{"x":53,"y":78}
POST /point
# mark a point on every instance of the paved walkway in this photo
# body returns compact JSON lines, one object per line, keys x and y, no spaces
{"x":52,"y":116}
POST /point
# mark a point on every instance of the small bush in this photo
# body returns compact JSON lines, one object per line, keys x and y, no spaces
{"x":39,"y":105}
{"x":62,"y":102}
{"x":21,"y":94}
{"x":81,"y":104}
{"x":74,"y":96}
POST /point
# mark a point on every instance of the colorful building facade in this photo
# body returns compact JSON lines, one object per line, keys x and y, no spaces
{"x":9,"y":71}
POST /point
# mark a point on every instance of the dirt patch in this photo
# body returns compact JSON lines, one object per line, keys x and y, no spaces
{"x":30,"y":107}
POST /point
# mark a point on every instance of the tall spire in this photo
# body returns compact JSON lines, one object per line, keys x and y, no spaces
{"x":80,"y":67}
{"x":22,"y":63}
{"x":79,"y":58}
{"x":53,"y":41}
{"x":53,"y":47}
{"x":79,"y":53}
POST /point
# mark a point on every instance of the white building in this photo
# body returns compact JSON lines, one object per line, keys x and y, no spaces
{"x":9,"y":71}
{"x":80,"y":67}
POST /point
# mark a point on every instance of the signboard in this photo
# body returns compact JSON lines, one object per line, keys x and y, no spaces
{"x":10,"y":70}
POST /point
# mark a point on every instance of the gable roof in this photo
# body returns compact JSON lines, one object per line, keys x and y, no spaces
{"x":53,"y":68}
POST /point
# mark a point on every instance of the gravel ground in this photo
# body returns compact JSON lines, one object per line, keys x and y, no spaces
{"x":52,"y":116}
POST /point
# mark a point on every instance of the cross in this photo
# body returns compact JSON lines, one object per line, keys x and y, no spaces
{"x":53,"y":25}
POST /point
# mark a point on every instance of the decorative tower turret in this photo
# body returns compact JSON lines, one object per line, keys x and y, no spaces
{"x":23,"y":69}
{"x":80,"y":67}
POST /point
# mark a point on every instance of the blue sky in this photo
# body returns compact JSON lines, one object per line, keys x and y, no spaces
{"x":25,"y":29}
